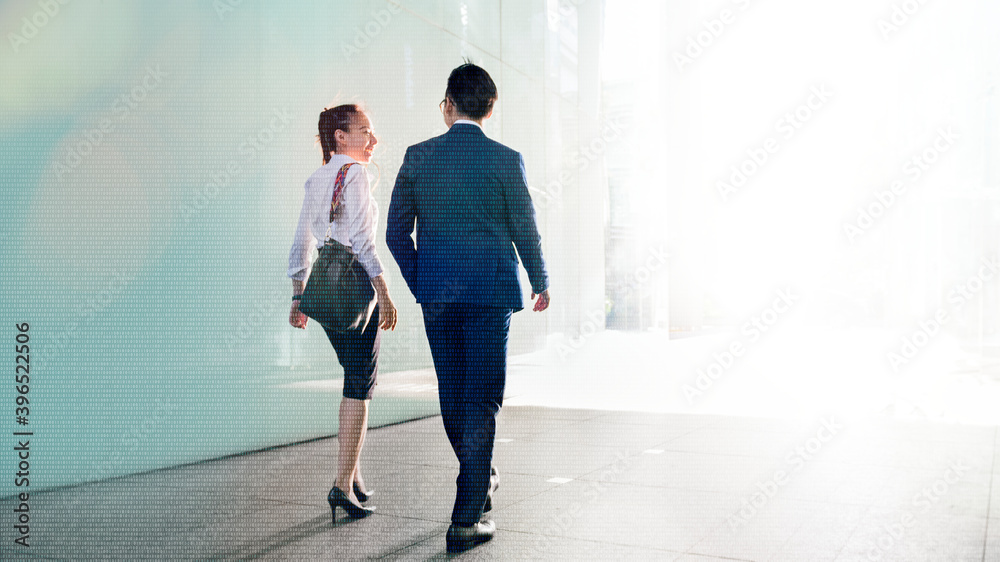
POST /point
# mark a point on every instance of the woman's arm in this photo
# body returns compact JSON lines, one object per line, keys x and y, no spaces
{"x":296,"y":318}
{"x":300,"y":256}
{"x":359,"y":217}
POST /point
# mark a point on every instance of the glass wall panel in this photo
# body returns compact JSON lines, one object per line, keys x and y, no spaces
{"x":154,"y":156}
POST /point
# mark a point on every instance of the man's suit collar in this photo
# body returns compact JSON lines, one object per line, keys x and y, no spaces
{"x":466,"y":128}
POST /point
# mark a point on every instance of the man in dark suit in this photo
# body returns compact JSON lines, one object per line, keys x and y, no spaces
{"x":467,"y":197}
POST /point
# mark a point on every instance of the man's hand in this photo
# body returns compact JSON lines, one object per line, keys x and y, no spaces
{"x":543,"y":300}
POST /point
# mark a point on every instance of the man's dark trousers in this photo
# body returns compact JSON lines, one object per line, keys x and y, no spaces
{"x":469,"y":346}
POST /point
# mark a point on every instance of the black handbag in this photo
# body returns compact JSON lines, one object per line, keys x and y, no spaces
{"x":339,"y":295}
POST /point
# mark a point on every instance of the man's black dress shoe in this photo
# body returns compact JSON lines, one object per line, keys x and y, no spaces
{"x":494,"y":484}
{"x":464,"y":538}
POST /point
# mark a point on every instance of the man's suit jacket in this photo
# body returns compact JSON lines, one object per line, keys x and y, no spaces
{"x":468,"y":198}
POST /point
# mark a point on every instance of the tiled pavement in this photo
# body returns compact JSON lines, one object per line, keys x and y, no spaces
{"x":629,"y":486}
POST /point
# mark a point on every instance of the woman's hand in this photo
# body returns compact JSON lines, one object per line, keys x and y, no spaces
{"x":296,"y":318}
{"x":386,"y":310}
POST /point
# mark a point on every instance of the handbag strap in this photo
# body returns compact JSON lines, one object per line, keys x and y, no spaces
{"x":338,"y":188}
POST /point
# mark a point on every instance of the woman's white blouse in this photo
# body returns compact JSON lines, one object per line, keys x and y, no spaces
{"x":353,"y":222}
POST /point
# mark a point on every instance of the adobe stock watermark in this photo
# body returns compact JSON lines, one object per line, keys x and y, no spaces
{"x":787,"y":127}
{"x":260,"y":311}
{"x":82,"y":318}
{"x":365,"y":34}
{"x":562,"y":9}
{"x":794,"y":461}
{"x":752,"y":330}
{"x":894,"y":533}
{"x":222,"y":178}
{"x":128,"y":442}
{"x":927,"y":329}
{"x":225,"y":7}
{"x":580,"y":161}
{"x":642,"y":274}
{"x":898,"y":17}
{"x":914,"y":169}
{"x":701,"y":41}
{"x":33,"y":24}
{"x":120,"y":110}
{"x":656,"y":259}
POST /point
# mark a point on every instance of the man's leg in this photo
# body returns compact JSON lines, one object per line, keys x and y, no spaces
{"x":485,"y":336}
{"x":442,"y":323}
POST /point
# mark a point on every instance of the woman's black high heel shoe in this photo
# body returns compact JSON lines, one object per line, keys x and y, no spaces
{"x":338,"y":498}
{"x":362,"y":497}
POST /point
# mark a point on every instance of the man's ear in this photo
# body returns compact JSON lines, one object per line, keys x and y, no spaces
{"x":488,"y":115}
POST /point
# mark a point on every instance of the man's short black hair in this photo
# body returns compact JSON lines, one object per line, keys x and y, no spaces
{"x":472,"y":90}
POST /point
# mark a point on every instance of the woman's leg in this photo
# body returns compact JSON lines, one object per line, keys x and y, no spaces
{"x":358,"y":479}
{"x":353,"y":422}
{"x":358,"y":354}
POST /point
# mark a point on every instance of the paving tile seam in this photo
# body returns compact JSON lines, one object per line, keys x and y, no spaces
{"x":551,"y":440}
{"x":594,"y":541}
{"x":738,"y":494}
{"x":563,"y":440}
{"x":500,"y":508}
{"x":663,"y":424}
{"x":554,"y":486}
{"x":419,"y":430}
{"x":321,"y":503}
{"x":802,"y":523}
{"x":875,"y":465}
{"x":977,"y":470}
{"x":707,"y":453}
{"x":722,"y":557}
{"x":736,"y":455}
{"x":637,"y":424}
{"x":29,"y":556}
{"x":768,"y":432}
{"x":989,"y":497}
{"x":422,"y":465}
{"x":550,"y":418}
{"x":790,"y":536}
{"x":705,"y":535}
{"x":412,"y":518}
{"x":863,"y":517}
{"x":303,"y":527}
{"x":396,"y":552}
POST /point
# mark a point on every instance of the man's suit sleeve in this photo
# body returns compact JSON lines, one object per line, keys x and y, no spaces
{"x":401,"y":220}
{"x":524,"y":228}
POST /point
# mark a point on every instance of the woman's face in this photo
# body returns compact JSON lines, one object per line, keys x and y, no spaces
{"x":360,"y":141}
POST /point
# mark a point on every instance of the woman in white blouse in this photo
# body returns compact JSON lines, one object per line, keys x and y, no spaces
{"x":347,"y":139}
